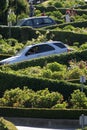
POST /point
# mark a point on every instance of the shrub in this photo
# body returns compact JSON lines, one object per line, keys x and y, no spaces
{"x":46,"y":73}
{"x":11,"y":41}
{"x":78,"y":100}
{"x":58,"y":4}
{"x":60,"y":106}
{"x":58,"y":75}
{"x":55,"y":67}
{"x":6,"y":125}
{"x":69,"y":27}
{"x":83,"y":46}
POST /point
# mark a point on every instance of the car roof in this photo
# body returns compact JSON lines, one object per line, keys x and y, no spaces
{"x":47,"y":42}
{"x":34,"y":17}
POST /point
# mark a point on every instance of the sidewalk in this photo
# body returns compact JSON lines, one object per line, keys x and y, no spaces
{"x":33,"y":128}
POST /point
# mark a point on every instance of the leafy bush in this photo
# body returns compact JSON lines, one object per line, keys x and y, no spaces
{"x":74,"y":73}
{"x":78,"y":100}
{"x":46,"y":73}
{"x":6,"y":125}
{"x":83,"y":46}
{"x":58,"y":75}
{"x":55,"y":67}
{"x":58,"y":4}
{"x":28,"y":98}
{"x":69,"y":27}
{"x":60,"y":106}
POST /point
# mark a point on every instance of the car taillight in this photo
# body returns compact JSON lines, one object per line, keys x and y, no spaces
{"x":68,"y":50}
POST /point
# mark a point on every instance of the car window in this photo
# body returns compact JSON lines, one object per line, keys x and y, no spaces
{"x":38,"y":21}
{"x":20,"y":22}
{"x":45,"y":48}
{"x":60,"y":45}
{"x":28,"y":22}
{"x":47,"y":20}
{"x":32,"y":51}
{"x":39,"y":49}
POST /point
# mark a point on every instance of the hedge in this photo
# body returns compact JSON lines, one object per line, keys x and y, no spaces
{"x":42,"y":113}
{"x":67,"y":37}
{"x":23,"y":34}
{"x":62,"y":10}
{"x":19,"y":33}
{"x":9,"y":81}
{"x":79,"y":24}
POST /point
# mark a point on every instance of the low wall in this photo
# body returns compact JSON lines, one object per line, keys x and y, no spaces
{"x":45,"y":123}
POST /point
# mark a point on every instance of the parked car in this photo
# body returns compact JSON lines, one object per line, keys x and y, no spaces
{"x":36,"y":22}
{"x":36,"y":51}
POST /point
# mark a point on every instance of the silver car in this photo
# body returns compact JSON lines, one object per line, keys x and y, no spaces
{"x":36,"y":51}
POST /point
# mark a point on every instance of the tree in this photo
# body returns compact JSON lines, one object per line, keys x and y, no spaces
{"x":3,"y":11}
{"x":3,"y":5}
{"x":17,"y":6}
{"x":21,"y":6}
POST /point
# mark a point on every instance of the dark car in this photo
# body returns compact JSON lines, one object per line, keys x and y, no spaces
{"x":36,"y":22}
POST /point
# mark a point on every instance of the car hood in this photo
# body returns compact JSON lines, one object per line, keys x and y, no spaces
{"x":9,"y":60}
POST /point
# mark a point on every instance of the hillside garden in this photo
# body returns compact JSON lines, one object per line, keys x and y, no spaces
{"x":51,"y":82}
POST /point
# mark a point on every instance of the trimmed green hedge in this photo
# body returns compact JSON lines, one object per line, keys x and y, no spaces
{"x":23,"y":34}
{"x":62,"y":10}
{"x":19,"y":33}
{"x":42,"y":113}
{"x":79,"y":24}
{"x":67,"y":37}
{"x":8,"y":81}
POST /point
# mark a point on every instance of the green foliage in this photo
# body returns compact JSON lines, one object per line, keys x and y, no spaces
{"x":10,"y":46}
{"x":58,"y":75}
{"x":69,"y":27}
{"x":74,"y":73}
{"x":22,"y":6}
{"x":3,"y":5}
{"x":52,"y":70}
{"x":83,"y":46}
{"x":46,"y":73}
{"x":11,"y":17}
{"x":76,"y":69}
{"x":57,"y":14}
{"x":58,"y":4}
{"x":78,"y":100}
{"x":6,"y":125}
{"x":30,"y":71}
{"x":55,"y":67}
{"x":2,"y":125}
{"x":64,"y":3}
{"x":60,"y":106}
{"x":28,"y":98}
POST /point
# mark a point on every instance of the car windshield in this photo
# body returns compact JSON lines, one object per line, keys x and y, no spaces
{"x":22,"y":51}
{"x":20,"y":22}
